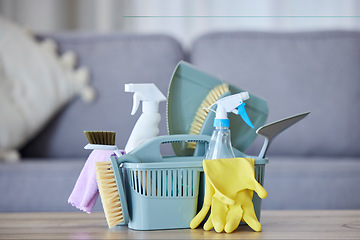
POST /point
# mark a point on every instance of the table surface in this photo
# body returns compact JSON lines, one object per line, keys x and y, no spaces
{"x":319,"y":224}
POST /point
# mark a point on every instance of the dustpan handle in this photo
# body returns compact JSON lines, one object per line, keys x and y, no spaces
{"x":150,"y":150}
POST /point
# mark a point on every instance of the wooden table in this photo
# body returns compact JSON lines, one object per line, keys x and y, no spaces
{"x":333,"y":224}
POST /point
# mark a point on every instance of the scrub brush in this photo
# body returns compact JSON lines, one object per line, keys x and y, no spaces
{"x":109,"y":192}
{"x":203,"y":110}
{"x":108,"y":178}
{"x":102,"y":140}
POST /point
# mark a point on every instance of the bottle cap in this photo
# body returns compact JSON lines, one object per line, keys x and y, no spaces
{"x":221,"y":123}
{"x":233,"y":103}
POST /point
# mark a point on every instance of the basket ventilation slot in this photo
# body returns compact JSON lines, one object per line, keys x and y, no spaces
{"x":163,"y":183}
{"x":259,"y":173}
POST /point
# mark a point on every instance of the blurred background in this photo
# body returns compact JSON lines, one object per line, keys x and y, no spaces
{"x":189,"y":18}
{"x":298,"y":55}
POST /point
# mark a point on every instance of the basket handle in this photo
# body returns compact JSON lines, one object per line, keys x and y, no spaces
{"x":119,"y":180}
{"x":150,"y":150}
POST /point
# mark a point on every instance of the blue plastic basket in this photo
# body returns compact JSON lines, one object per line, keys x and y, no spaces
{"x":162,"y":195}
{"x":166,"y":192}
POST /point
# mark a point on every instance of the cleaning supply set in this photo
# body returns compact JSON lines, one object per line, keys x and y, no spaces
{"x":148,"y":191}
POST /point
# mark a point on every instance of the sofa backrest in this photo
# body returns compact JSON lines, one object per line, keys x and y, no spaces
{"x":295,"y":73}
{"x":113,"y":60}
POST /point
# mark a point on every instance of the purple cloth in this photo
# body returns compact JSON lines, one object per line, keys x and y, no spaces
{"x":85,"y":192}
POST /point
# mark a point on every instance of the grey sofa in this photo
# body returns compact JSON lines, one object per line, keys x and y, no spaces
{"x":313,"y":165}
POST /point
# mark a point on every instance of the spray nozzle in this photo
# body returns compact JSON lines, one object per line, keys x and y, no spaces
{"x":146,"y":92}
{"x":233,"y":103}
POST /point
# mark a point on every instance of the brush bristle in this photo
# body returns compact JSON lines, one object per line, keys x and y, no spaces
{"x":100,"y":137}
{"x":202,"y":113}
{"x":109,"y":193}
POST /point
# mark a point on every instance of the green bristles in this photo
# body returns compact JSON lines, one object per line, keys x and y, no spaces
{"x":100,"y":137}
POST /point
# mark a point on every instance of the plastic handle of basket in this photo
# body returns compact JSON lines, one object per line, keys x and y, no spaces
{"x":150,"y":150}
{"x":127,"y":158}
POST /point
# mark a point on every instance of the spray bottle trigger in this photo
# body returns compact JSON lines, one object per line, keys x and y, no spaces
{"x":136,"y":103}
{"x":242,"y":112}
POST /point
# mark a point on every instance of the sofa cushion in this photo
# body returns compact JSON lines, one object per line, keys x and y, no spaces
{"x":294,"y":72}
{"x":113,"y":60}
{"x":34,"y":84}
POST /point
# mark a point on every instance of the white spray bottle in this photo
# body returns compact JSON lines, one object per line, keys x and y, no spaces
{"x":146,"y":126}
{"x":220,"y":143}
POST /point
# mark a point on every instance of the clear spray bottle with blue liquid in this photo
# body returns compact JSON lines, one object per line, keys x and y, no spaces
{"x":220,"y":144}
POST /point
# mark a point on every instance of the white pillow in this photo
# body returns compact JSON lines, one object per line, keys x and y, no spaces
{"x":34,"y":84}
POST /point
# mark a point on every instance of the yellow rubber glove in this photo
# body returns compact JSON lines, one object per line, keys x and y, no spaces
{"x":243,"y":209}
{"x":209,"y":192}
{"x":224,"y":179}
{"x":228,"y":176}
{"x":217,"y":218}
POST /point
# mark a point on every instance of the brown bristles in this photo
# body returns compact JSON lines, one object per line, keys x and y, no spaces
{"x":100,"y":137}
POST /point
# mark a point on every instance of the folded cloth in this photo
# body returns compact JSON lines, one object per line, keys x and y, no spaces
{"x":85,"y":192}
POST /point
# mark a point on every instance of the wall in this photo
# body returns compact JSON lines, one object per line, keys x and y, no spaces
{"x":184,"y":19}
